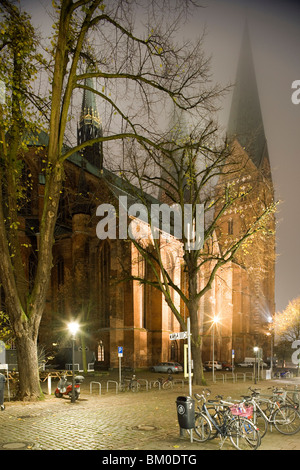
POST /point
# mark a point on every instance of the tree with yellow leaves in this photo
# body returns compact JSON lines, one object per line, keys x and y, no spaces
{"x":287,"y":330}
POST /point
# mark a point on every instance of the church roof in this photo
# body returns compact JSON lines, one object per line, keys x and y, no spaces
{"x":245,"y":120}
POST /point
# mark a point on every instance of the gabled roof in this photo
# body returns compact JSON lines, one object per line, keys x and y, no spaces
{"x":245,"y":120}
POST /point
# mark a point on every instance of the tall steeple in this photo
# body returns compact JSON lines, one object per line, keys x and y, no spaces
{"x":245,"y":120}
{"x":90,"y":127}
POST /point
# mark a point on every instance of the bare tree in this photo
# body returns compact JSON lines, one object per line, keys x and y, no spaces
{"x":197,"y":172}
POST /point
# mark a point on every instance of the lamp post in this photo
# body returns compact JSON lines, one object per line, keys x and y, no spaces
{"x":270,"y":320}
{"x":255,"y":349}
{"x":73,"y":328}
{"x":215,"y":320}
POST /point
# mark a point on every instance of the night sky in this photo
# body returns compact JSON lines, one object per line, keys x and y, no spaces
{"x":275,"y":36}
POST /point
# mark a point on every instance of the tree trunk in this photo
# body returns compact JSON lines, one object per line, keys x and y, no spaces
{"x":193,"y":307}
{"x":28,"y":366}
{"x":196,"y":344}
{"x":83,"y":354}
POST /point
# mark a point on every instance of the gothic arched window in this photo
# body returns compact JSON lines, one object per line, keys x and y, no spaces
{"x":104,"y":284}
{"x":230,"y":227}
{"x":60,"y":276}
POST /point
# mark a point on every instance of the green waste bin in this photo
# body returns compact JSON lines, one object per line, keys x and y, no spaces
{"x":186,"y":412}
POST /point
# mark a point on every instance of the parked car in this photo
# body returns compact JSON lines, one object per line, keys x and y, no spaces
{"x":168,"y":367}
{"x":209,"y":365}
{"x":245,"y":364}
{"x":227,"y":366}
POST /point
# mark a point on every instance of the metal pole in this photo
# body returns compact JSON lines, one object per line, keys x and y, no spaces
{"x":189,"y":356}
{"x":49,"y":384}
{"x":271,"y":364}
{"x":213,"y":352}
{"x":120,"y":370}
{"x":189,"y":365}
{"x":73,"y":370}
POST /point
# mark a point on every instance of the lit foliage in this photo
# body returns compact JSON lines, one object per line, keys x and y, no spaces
{"x":287,"y":323}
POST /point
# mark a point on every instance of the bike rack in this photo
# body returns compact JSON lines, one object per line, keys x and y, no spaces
{"x":241,"y":375}
{"x":178,"y":381}
{"x":153,"y":382}
{"x":69,"y":367}
{"x":91,"y":387}
{"x":113,"y":382}
{"x":143,"y":380}
{"x":219,"y":377}
{"x":249,"y":374}
{"x":230,"y":377}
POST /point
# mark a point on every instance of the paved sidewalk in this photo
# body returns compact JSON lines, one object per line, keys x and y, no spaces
{"x":126,"y":421}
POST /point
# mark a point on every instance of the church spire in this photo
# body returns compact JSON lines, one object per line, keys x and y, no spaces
{"x":245,"y":120}
{"x":90,"y":126}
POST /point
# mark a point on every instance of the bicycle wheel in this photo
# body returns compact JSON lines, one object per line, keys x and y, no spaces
{"x":260,"y":422}
{"x":218,"y":417}
{"x":134,"y":386}
{"x":287,"y":420}
{"x":243,"y":434}
{"x":202,"y":427}
{"x":167,"y":385}
{"x":156,"y":384}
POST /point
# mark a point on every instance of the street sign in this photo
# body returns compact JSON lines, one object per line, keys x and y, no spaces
{"x":180,"y":335}
{"x":120,"y":351}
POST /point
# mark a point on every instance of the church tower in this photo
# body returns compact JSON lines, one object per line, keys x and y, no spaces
{"x":245,"y":120}
{"x":90,"y":127}
{"x":254,"y":265}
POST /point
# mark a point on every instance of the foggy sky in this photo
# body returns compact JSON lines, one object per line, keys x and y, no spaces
{"x":274,"y":27}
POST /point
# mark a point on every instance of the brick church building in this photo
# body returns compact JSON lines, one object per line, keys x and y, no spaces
{"x":87,"y":271}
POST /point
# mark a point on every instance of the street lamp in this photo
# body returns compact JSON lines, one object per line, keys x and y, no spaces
{"x":270,"y":320}
{"x":255,"y":349}
{"x":73,"y":328}
{"x":215,"y":320}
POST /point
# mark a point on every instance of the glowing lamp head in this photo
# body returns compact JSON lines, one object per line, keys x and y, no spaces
{"x":73,"y":327}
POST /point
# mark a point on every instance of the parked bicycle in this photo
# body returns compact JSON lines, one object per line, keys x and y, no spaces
{"x":272,"y":411}
{"x":162,"y":382}
{"x":283,"y":395}
{"x":219,"y":421}
{"x":130,"y":384}
{"x":285,"y":374}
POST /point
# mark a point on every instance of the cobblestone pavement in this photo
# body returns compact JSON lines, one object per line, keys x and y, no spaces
{"x":126,"y":421}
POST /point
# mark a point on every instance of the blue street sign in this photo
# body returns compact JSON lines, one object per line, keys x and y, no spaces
{"x":120,"y":351}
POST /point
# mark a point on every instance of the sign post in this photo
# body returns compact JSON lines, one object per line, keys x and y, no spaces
{"x":189,"y":355}
{"x":120,"y":355}
{"x":186,"y":335}
{"x":180,"y":335}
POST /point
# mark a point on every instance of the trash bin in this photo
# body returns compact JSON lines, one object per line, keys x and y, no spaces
{"x":186,"y":412}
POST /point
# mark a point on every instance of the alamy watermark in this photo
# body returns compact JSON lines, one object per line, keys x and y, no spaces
{"x":296,"y":94}
{"x":296,"y":354}
{"x":162,"y":219}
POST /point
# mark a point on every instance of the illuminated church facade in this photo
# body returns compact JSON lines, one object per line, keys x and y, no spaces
{"x":87,"y":272}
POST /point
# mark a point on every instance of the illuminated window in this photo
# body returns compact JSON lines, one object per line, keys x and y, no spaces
{"x":100,"y":352}
{"x":230,"y":227}
{"x":104,"y":284}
